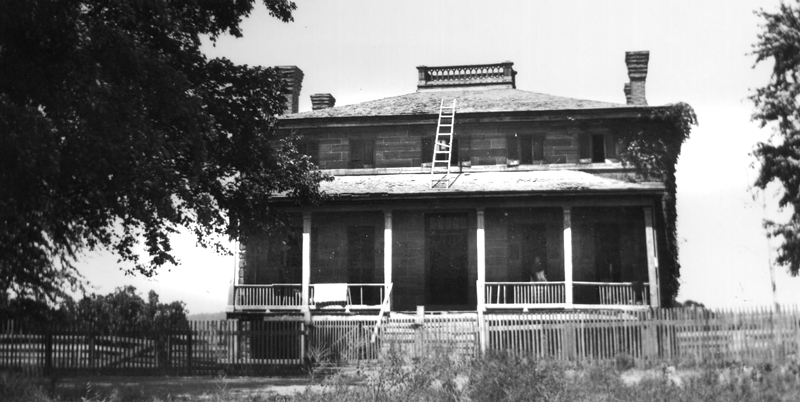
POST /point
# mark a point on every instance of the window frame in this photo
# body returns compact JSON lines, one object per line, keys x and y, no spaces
{"x":526,"y":149}
{"x":589,"y":148}
{"x":366,"y":149}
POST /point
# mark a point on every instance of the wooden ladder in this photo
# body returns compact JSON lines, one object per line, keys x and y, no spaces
{"x":442,"y":146}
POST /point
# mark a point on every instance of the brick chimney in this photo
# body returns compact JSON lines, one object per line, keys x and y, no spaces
{"x":637,"y":72}
{"x":322,"y":101}
{"x":293,"y":77}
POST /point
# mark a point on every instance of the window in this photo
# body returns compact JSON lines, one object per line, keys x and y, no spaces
{"x":596,"y":148}
{"x":526,"y":148}
{"x":310,"y":148}
{"x":427,"y":150}
{"x":362,"y":154}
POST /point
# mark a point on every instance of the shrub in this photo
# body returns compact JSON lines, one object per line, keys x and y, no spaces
{"x":19,"y":388}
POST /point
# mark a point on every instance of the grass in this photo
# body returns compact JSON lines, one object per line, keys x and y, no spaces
{"x":442,"y":376}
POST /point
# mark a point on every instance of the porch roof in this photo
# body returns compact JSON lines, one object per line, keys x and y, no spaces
{"x":485,"y":183}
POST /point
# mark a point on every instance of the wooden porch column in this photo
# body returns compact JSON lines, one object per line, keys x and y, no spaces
{"x":387,"y":252}
{"x":568,"y":256}
{"x":652,"y":258}
{"x":306,"y":278}
{"x":481,"y":283}
{"x":481,"y":243}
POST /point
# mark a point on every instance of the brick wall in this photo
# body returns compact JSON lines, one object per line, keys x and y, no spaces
{"x":401,"y":146}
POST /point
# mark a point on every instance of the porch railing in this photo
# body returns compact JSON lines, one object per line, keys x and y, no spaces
{"x":514,"y":294}
{"x":289,"y":296}
{"x":553,"y":294}
{"x":616,"y":293}
{"x":273,"y":296}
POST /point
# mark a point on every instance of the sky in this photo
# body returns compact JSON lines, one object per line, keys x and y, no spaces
{"x":699,"y":54}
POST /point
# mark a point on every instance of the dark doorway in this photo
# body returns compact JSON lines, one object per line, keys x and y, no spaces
{"x":446,"y":241}
{"x":361,"y":264}
{"x":607,"y":259}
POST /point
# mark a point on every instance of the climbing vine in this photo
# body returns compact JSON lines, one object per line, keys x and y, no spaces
{"x":651,"y":143}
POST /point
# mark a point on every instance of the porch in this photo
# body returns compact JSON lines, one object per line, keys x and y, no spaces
{"x":515,"y":258}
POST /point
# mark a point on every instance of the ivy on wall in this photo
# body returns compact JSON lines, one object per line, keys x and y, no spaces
{"x":651,"y":143}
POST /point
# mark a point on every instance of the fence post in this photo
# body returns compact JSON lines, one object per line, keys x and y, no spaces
{"x":48,"y":353}
{"x":189,"y":348}
{"x":91,"y":350}
{"x":419,"y":341}
{"x":650,"y":336}
{"x":569,"y":337}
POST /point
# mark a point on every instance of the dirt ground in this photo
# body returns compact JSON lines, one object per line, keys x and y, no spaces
{"x":180,"y":388}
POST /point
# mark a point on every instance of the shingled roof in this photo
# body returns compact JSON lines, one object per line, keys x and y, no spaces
{"x":530,"y":182}
{"x":468,"y":101}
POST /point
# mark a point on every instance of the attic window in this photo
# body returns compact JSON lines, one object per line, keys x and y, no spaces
{"x":362,"y":154}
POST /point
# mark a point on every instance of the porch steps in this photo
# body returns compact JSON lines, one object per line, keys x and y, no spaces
{"x":442,"y":146}
{"x":437,"y":333}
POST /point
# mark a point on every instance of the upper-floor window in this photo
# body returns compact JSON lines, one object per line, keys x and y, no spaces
{"x":362,"y":153}
{"x":596,"y":148}
{"x":427,"y":150}
{"x":525,"y":148}
{"x":310,"y":148}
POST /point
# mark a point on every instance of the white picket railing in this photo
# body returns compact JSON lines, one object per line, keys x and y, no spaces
{"x":619,"y":293}
{"x":271,"y":297}
{"x":289,"y":296}
{"x":532,"y":295}
{"x":516,"y":294}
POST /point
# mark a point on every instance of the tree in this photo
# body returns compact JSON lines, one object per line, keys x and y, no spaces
{"x":117,"y":131}
{"x":777,"y":105}
{"x":124,"y":310}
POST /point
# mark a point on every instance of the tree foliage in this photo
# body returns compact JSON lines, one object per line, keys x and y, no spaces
{"x":122,"y":311}
{"x":777,"y":106}
{"x":116,"y":131}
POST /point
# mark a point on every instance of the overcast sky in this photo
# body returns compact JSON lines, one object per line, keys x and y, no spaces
{"x":366,"y":50}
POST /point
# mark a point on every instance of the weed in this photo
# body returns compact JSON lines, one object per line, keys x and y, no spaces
{"x":318,"y":358}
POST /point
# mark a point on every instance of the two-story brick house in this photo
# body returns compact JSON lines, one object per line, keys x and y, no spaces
{"x":540,"y":212}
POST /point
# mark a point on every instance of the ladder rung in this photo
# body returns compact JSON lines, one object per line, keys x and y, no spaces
{"x":443,"y":143}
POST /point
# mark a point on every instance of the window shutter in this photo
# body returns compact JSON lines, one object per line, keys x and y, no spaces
{"x":584,"y":146}
{"x":356,"y":153}
{"x":512,"y":147}
{"x":454,"y":152}
{"x":538,"y":148}
{"x":611,"y":146}
{"x":427,"y":149}
{"x":369,"y":152}
{"x":525,"y":149}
